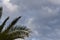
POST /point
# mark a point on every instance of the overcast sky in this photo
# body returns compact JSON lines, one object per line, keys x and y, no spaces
{"x":41,"y":16}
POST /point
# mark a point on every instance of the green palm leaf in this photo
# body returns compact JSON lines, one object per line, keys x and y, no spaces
{"x":12,"y":24}
{"x":19,"y":32}
{"x":12,"y":32}
{"x":2,"y":25}
{"x":0,"y":12}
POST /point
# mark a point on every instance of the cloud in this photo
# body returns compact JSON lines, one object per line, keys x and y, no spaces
{"x":39,"y":15}
{"x":30,"y":7}
{"x":11,"y":7}
{"x":29,"y":21}
{"x":18,"y":39}
{"x":57,"y":2}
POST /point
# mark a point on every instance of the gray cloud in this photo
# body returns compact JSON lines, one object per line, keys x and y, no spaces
{"x":42,"y":16}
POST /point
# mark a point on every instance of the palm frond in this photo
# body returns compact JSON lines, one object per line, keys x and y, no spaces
{"x":0,"y":12}
{"x":2,"y":25}
{"x":12,"y":32}
{"x":12,"y":24}
{"x":19,"y":34}
{"x":19,"y":28}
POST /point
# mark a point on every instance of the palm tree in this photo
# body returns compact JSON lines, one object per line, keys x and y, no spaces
{"x":12,"y":32}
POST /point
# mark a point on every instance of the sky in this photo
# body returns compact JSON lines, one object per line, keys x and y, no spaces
{"x":41,"y":16}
